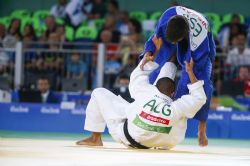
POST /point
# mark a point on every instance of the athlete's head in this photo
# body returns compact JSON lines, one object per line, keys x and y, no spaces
{"x":177,"y":29}
{"x":166,"y":86}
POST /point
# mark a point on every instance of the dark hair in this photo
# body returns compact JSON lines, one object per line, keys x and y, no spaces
{"x":136,"y":24}
{"x":18,"y":30}
{"x":235,"y":16}
{"x":32,"y":31}
{"x":242,"y":33}
{"x":114,"y":3}
{"x":124,"y":76}
{"x":43,"y":78}
{"x":245,"y":66}
{"x":166,"y":86}
{"x":177,"y":28}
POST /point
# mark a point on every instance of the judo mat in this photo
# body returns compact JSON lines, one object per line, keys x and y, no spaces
{"x":59,"y":149}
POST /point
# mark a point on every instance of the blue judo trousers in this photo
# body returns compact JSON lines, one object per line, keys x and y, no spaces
{"x":201,"y":48}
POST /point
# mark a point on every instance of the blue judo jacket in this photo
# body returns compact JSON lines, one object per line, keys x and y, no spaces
{"x":201,"y":48}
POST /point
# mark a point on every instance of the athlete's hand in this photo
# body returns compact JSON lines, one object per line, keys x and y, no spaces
{"x":189,"y":66}
{"x":148,"y":57}
{"x":157,"y":42}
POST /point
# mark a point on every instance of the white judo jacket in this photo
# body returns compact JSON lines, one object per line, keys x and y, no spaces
{"x":154,"y":119}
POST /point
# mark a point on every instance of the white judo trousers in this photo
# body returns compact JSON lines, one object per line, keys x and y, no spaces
{"x":106,"y":109}
{"x":154,"y":119}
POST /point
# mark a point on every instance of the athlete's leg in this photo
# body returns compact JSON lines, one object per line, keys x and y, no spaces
{"x":202,"y":114}
{"x":104,"y":108}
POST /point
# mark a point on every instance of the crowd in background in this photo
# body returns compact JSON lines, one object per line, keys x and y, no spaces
{"x":124,"y":37}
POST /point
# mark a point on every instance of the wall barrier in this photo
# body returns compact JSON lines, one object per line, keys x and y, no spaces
{"x":55,"y":118}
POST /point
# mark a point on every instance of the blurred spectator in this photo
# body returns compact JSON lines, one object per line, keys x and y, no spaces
{"x":111,"y":49}
{"x":60,"y":31}
{"x":122,"y":24}
{"x":110,"y":25}
{"x":29,"y":32}
{"x":50,"y":27}
{"x":105,"y":36}
{"x":58,"y":10}
{"x":15,"y":29}
{"x":93,"y":80}
{"x":54,"y":60}
{"x":29,"y":56}
{"x":239,"y":55}
{"x":227,"y":31}
{"x":47,"y":96}
{"x":244,"y":76}
{"x":113,"y":9}
{"x":76,"y":68}
{"x":98,"y":10}
{"x":50,"y":61}
{"x":2,"y":33}
{"x":77,"y":11}
{"x":131,"y":44}
{"x":135,"y":30}
{"x":248,"y":36}
{"x":112,"y":65}
{"x":121,"y":88}
{"x":4,"y":63}
{"x":129,"y":66}
{"x":218,"y":71}
{"x":111,"y":68}
{"x":174,"y":3}
{"x":4,"y":58}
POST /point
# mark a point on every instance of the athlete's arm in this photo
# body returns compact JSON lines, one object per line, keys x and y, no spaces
{"x":139,"y":79}
{"x":148,"y":57}
{"x":189,"y":105}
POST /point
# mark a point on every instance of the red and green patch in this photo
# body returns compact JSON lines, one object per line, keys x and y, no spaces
{"x":138,"y":122}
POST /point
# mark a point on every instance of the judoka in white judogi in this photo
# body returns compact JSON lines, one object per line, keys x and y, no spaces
{"x":153,"y":119}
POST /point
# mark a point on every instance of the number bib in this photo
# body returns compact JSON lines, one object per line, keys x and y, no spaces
{"x":198,"y":26}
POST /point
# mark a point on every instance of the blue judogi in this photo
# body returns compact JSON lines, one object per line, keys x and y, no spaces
{"x":201,"y":48}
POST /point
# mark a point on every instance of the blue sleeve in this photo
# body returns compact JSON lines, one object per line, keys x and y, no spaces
{"x":149,"y":45}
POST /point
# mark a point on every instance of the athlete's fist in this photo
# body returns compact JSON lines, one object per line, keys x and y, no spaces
{"x":148,"y":57}
{"x":189,"y":66}
{"x":157,"y":42}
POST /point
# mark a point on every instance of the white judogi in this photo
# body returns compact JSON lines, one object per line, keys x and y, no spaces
{"x":154,"y":120}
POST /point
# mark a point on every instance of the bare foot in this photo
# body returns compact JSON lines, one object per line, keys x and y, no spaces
{"x":202,"y":137}
{"x":94,"y":140}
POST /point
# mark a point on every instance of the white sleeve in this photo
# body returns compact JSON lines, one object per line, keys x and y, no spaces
{"x":139,"y":79}
{"x":188,"y":105}
{"x":168,"y":70}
